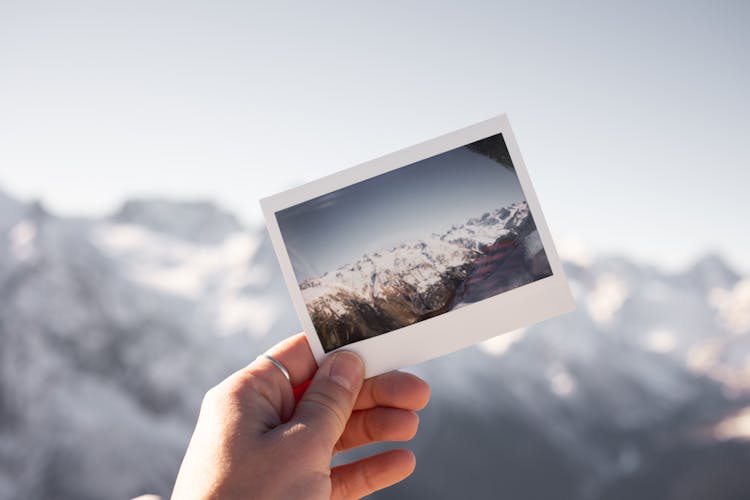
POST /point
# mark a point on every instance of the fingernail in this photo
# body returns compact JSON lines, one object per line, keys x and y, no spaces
{"x":347,"y":370}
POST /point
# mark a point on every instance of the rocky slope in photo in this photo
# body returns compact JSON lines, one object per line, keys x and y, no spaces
{"x":112,"y":329}
{"x":418,"y":280}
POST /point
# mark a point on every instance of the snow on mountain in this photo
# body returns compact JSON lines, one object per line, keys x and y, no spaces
{"x":420,"y":263}
{"x":10,"y":210}
{"x":711,"y":271}
{"x":623,"y":400}
{"x":196,"y":221}
{"x":415,"y":280}
{"x":111,"y":331}
{"x":109,"y":335}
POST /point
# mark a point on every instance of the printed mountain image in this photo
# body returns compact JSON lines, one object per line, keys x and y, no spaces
{"x":411,"y":282}
{"x":413,"y":243}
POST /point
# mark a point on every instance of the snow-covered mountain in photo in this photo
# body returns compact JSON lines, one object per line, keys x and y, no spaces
{"x":112,"y":329}
{"x":416,"y":280}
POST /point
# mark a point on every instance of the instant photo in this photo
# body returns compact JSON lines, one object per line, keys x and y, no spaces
{"x":420,"y":252}
{"x":413,"y":243}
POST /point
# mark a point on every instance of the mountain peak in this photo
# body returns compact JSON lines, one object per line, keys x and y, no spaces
{"x":712,"y":270}
{"x":11,"y":210}
{"x":194,"y":221}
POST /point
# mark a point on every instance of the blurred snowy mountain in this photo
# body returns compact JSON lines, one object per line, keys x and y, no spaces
{"x":198,"y":222}
{"x":112,"y":329}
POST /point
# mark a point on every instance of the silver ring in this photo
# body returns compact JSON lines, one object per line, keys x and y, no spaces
{"x":278,"y":365}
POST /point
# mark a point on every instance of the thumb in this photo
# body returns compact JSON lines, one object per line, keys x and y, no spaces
{"x":329,"y":400}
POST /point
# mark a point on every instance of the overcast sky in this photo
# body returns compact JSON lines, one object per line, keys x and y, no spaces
{"x":632,"y":117}
{"x":403,"y":205}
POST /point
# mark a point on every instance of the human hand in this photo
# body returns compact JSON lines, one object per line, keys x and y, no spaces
{"x":253,"y":441}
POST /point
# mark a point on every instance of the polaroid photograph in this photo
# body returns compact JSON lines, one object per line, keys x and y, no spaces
{"x":421,"y":252}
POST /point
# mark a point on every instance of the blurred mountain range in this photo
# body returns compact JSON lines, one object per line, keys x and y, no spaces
{"x":112,"y":329}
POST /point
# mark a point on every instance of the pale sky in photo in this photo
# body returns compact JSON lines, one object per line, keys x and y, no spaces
{"x":632,"y":117}
{"x":396,"y":207}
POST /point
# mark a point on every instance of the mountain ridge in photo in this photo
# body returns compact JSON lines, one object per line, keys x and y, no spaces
{"x":420,"y":279}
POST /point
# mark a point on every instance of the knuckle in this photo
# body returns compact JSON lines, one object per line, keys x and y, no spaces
{"x":344,"y":491}
{"x":212,"y":397}
{"x":242,"y":384}
{"x":347,"y":440}
{"x":231,"y":389}
{"x":234,"y":389}
{"x":326,"y":404}
{"x":383,"y":387}
{"x":259,"y":381}
{"x":239,"y":386}
{"x":339,"y":446}
{"x":368,"y":427}
{"x":246,"y":384}
{"x":414,"y":426}
{"x":368,"y":480}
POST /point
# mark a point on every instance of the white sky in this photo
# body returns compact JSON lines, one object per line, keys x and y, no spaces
{"x":633,"y":119}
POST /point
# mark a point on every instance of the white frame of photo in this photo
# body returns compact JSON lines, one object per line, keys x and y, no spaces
{"x":455,"y":329}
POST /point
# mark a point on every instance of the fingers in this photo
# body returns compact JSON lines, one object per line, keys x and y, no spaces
{"x":394,"y":389}
{"x":295,"y":354}
{"x":378,"y":424}
{"x":262,"y":389}
{"x":329,"y":400}
{"x":363,"y":477}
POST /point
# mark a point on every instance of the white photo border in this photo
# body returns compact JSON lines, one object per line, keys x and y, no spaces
{"x":530,"y":303}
